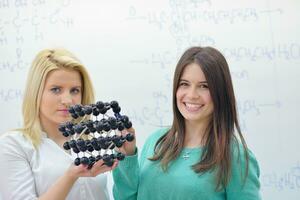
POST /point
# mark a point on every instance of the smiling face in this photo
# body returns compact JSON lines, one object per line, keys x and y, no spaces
{"x":62,"y":89}
{"x":193,"y":97}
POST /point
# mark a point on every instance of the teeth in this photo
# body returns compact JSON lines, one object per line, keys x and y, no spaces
{"x":191,"y":106}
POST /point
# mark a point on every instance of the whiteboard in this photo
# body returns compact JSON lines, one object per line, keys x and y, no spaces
{"x":131,"y":47}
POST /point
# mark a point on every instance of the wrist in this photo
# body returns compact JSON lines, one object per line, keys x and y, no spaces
{"x":70,"y":176}
{"x":132,"y":152}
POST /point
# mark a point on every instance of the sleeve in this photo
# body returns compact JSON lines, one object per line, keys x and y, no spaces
{"x":17,"y":181}
{"x":126,"y":176}
{"x":241,"y":186}
{"x":126,"y":179}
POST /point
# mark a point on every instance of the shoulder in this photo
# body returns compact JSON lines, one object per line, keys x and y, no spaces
{"x":149,"y":146}
{"x":239,"y":151}
{"x":13,"y":137}
{"x":244,"y":181}
{"x":241,"y":157}
{"x":154,"y":137}
{"x":15,"y":143}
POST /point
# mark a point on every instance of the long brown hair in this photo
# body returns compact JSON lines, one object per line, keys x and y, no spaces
{"x":220,"y":130}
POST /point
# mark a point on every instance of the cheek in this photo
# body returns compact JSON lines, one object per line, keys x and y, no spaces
{"x":178,"y":97}
{"x":179,"y":94}
{"x":47,"y":103}
{"x":207,"y":98}
{"x":210,"y":104}
{"x":77,"y":99}
{"x":47,"y":99}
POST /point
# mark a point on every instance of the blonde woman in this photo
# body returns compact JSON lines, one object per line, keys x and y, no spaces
{"x":34,"y":164}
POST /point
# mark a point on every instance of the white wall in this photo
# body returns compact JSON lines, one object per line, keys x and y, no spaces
{"x":131,"y":48}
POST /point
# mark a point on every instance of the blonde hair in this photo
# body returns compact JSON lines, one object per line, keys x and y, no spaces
{"x":46,"y":61}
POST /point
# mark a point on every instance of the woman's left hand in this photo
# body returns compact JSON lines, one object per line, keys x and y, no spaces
{"x":84,"y":171}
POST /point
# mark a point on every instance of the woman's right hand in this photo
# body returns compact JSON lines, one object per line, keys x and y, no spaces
{"x":128,"y":148}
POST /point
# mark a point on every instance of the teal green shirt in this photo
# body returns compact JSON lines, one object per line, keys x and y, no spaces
{"x":145,"y":179}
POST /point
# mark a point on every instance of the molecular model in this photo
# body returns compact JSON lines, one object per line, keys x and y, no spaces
{"x":97,"y":133}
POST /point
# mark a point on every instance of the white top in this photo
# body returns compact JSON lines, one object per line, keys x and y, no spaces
{"x":27,"y":173}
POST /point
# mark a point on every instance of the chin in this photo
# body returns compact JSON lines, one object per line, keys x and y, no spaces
{"x":63,"y":119}
{"x":194,"y":117}
{"x":191,"y":118}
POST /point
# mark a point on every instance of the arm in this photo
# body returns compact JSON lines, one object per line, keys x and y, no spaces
{"x":239,"y":187}
{"x":126,"y":179}
{"x":61,"y":188}
{"x":126,"y":175}
{"x":17,"y":180}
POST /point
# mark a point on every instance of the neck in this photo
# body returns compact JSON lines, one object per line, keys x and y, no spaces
{"x":195,"y":134}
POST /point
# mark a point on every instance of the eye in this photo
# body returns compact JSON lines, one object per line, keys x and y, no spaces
{"x":183,"y":84}
{"x":75,"y":91}
{"x":204,"y":86}
{"x":55,"y":90}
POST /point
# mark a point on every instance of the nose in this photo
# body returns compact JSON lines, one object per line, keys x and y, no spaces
{"x":66,"y":99}
{"x":192,"y":93}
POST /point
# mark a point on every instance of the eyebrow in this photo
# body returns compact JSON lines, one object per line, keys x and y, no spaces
{"x":54,"y":85}
{"x":188,"y":81}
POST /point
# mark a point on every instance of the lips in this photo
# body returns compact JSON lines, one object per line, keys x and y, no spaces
{"x":64,"y":111}
{"x":192,"y":107}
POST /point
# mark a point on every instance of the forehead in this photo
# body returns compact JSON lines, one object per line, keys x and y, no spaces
{"x":193,"y":71}
{"x":63,"y":77}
